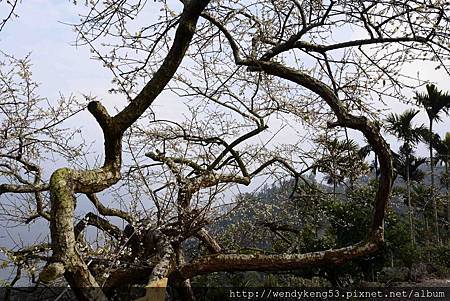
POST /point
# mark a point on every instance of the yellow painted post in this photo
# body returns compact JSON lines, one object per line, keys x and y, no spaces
{"x":156,"y":291}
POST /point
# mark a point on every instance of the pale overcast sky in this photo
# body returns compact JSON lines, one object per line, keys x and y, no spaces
{"x":63,"y":68}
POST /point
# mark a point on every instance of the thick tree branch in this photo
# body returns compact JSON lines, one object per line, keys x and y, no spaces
{"x":103,"y":210}
{"x":234,"y":46}
{"x":27,"y":252}
{"x":259,"y":262}
{"x":166,"y":264}
{"x":127,"y":276}
{"x":356,"y":43}
{"x":233,"y":262}
{"x":344,"y":119}
{"x":154,"y":87}
{"x":211,"y":244}
{"x":92,"y":219}
{"x":14,"y":188}
{"x":64,"y":182}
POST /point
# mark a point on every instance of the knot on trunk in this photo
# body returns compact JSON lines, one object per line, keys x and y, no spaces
{"x":52,"y":272}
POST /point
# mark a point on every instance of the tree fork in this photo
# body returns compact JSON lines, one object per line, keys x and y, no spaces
{"x":65,"y":182}
{"x":239,"y":262}
{"x":344,"y":119}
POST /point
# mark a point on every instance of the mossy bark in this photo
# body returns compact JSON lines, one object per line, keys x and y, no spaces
{"x":285,"y":262}
{"x":65,"y":182}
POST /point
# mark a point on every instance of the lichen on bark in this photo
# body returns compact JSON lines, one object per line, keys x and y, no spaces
{"x":65,"y":182}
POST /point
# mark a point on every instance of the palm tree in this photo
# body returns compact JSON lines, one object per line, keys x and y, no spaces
{"x":401,"y":126}
{"x":415,"y":174}
{"x":364,"y":152}
{"x":434,"y":102}
{"x":407,"y":166}
{"x":442,"y":147}
{"x":339,"y":161}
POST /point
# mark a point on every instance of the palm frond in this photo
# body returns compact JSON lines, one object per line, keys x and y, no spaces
{"x":434,"y":102}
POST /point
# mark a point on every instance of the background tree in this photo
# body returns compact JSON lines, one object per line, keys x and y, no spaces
{"x":434,"y":102}
{"x":401,"y":126}
{"x":364,"y":152}
{"x":340,"y":161}
{"x":443,"y":155}
{"x":442,"y":147}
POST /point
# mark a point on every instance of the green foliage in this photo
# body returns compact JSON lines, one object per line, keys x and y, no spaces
{"x":314,"y":219}
{"x":343,"y":221}
{"x":341,"y":159}
{"x":402,"y":127}
{"x":434,"y":102}
{"x":398,"y":245}
{"x":350,"y":219}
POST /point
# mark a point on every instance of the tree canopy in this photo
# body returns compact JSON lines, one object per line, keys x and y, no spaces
{"x":240,"y":68}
